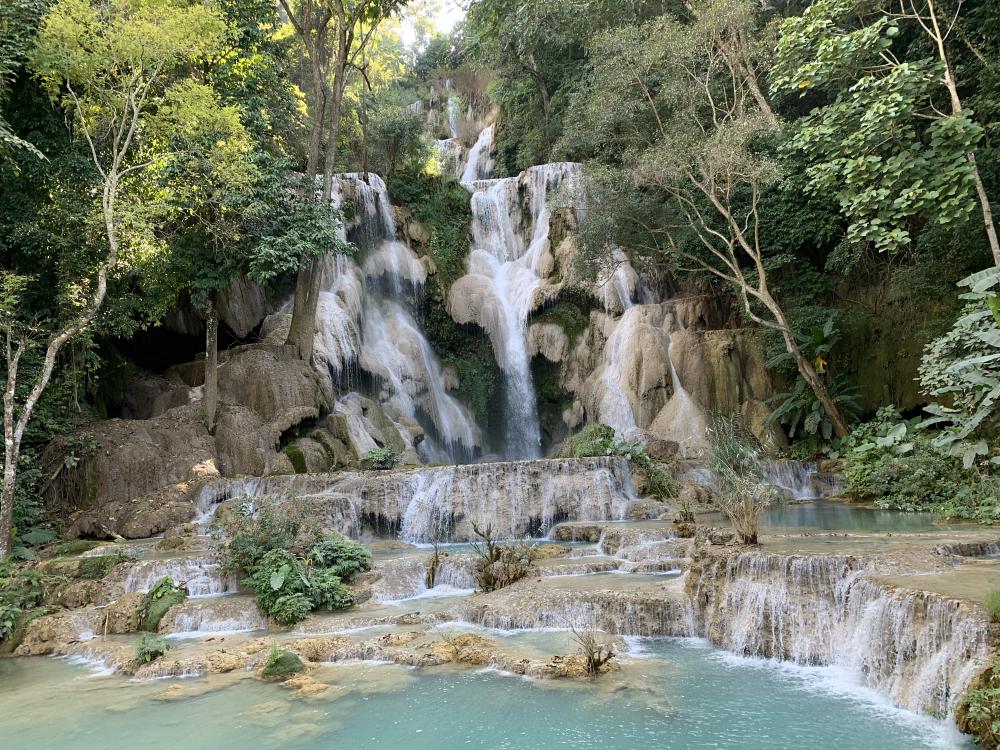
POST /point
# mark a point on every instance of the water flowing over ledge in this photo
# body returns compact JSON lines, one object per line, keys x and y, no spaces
{"x":440,"y":504}
{"x":919,"y":649}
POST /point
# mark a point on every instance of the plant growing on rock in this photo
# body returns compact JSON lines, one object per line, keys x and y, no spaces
{"x":735,"y":456}
{"x":381,"y":459}
{"x":596,"y":652}
{"x":157,"y":601}
{"x":596,"y":440}
{"x":499,"y":565}
{"x":148,"y":649}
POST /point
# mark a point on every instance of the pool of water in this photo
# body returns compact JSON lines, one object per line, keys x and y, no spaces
{"x":831,"y":515}
{"x":673,"y":693}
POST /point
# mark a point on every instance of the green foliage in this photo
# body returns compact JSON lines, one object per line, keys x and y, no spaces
{"x":148,"y":649}
{"x":96,"y":567}
{"x":571,"y":317}
{"x":978,"y":710}
{"x":73,"y":547}
{"x":281,"y":665}
{"x":804,"y":416}
{"x":21,"y":589}
{"x":442,"y":206}
{"x":157,"y":601}
{"x":597,"y":439}
{"x":882,"y":147}
{"x":341,"y":556}
{"x":962,"y":368}
{"x":253,"y":532}
{"x":993,"y":605}
{"x":736,"y":458}
{"x":380,"y":459}
{"x":395,"y":138}
{"x":290,"y":585}
{"x":289,"y":609}
{"x":901,"y":465}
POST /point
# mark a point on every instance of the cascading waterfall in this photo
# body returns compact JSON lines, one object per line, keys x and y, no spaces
{"x":919,"y":649}
{"x":479,"y":165}
{"x":201,"y":575}
{"x":365,"y":317}
{"x":440,"y":504}
{"x":505,"y":268}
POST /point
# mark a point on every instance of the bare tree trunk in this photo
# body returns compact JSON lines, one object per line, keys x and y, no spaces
{"x":336,"y":104}
{"x":211,"y":395}
{"x":318,"y":118}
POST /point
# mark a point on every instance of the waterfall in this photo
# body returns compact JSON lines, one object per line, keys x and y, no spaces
{"x":201,"y":575}
{"x":918,"y":648}
{"x":365,"y":317}
{"x":440,"y":504}
{"x":480,"y":162}
{"x":510,"y":257}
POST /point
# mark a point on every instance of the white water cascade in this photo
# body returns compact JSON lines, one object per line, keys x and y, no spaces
{"x":510,"y":257}
{"x":479,"y":165}
{"x":365,"y":318}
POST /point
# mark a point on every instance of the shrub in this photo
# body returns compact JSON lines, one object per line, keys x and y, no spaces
{"x":993,"y":605}
{"x":254,"y":532}
{"x":735,"y":456}
{"x":341,"y":556}
{"x":148,"y":649}
{"x":281,"y":665}
{"x":499,"y":565}
{"x":595,"y":651}
{"x":328,"y":592}
{"x":290,"y":608}
{"x":289,"y":588}
{"x":896,"y":465}
{"x":380,"y":458}
{"x":157,"y":601}
{"x":597,"y":439}
{"x":8,"y":620}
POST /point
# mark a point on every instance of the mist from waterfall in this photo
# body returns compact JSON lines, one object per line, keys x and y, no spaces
{"x":366,"y":318}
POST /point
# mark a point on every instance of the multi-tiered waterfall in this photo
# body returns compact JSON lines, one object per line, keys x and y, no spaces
{"x":509,"y":259}
{"x":366,"y":321}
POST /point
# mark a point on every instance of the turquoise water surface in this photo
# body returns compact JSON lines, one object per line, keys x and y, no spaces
{"x":674,"y":693}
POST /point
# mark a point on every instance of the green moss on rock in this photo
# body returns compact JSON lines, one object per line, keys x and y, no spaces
{"x":281,"y":665}
{"x":157,"y":601}
{"x":297,"y":458}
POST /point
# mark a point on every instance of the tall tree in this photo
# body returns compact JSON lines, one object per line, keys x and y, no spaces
{"x":334,"y":34}
{"x":885,"y":145}
{"x":108,"y":63}
{"x":673,"y":116}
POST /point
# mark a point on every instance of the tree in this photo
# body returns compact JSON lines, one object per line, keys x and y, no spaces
{"x":682,"y":105}
{"x":334,"y":34}
{"x":108,"y":64}
{"x":884,"y":145}
{"x":18,"y":23}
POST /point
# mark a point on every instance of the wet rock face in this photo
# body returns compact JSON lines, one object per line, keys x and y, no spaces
{"x":918,"y":648}
{"x":142,"y":476}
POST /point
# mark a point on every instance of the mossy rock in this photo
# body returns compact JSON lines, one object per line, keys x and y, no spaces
{"x":155,"y":604}
{"x":171,"y":543}
{"x":89,"y":568}
{"x":298,"y":460}
{"x":9,"y":645}
{"x":281,"y":665}
{"x":73,"y":547}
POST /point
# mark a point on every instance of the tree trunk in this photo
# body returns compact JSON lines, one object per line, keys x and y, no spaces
{"x":336,"y":104}
{"x":813,"y":380}
{"x":7,"y":502}
{"x":211,"y":394}
{"x":318,"y":118}
{"x":303,"y":326}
